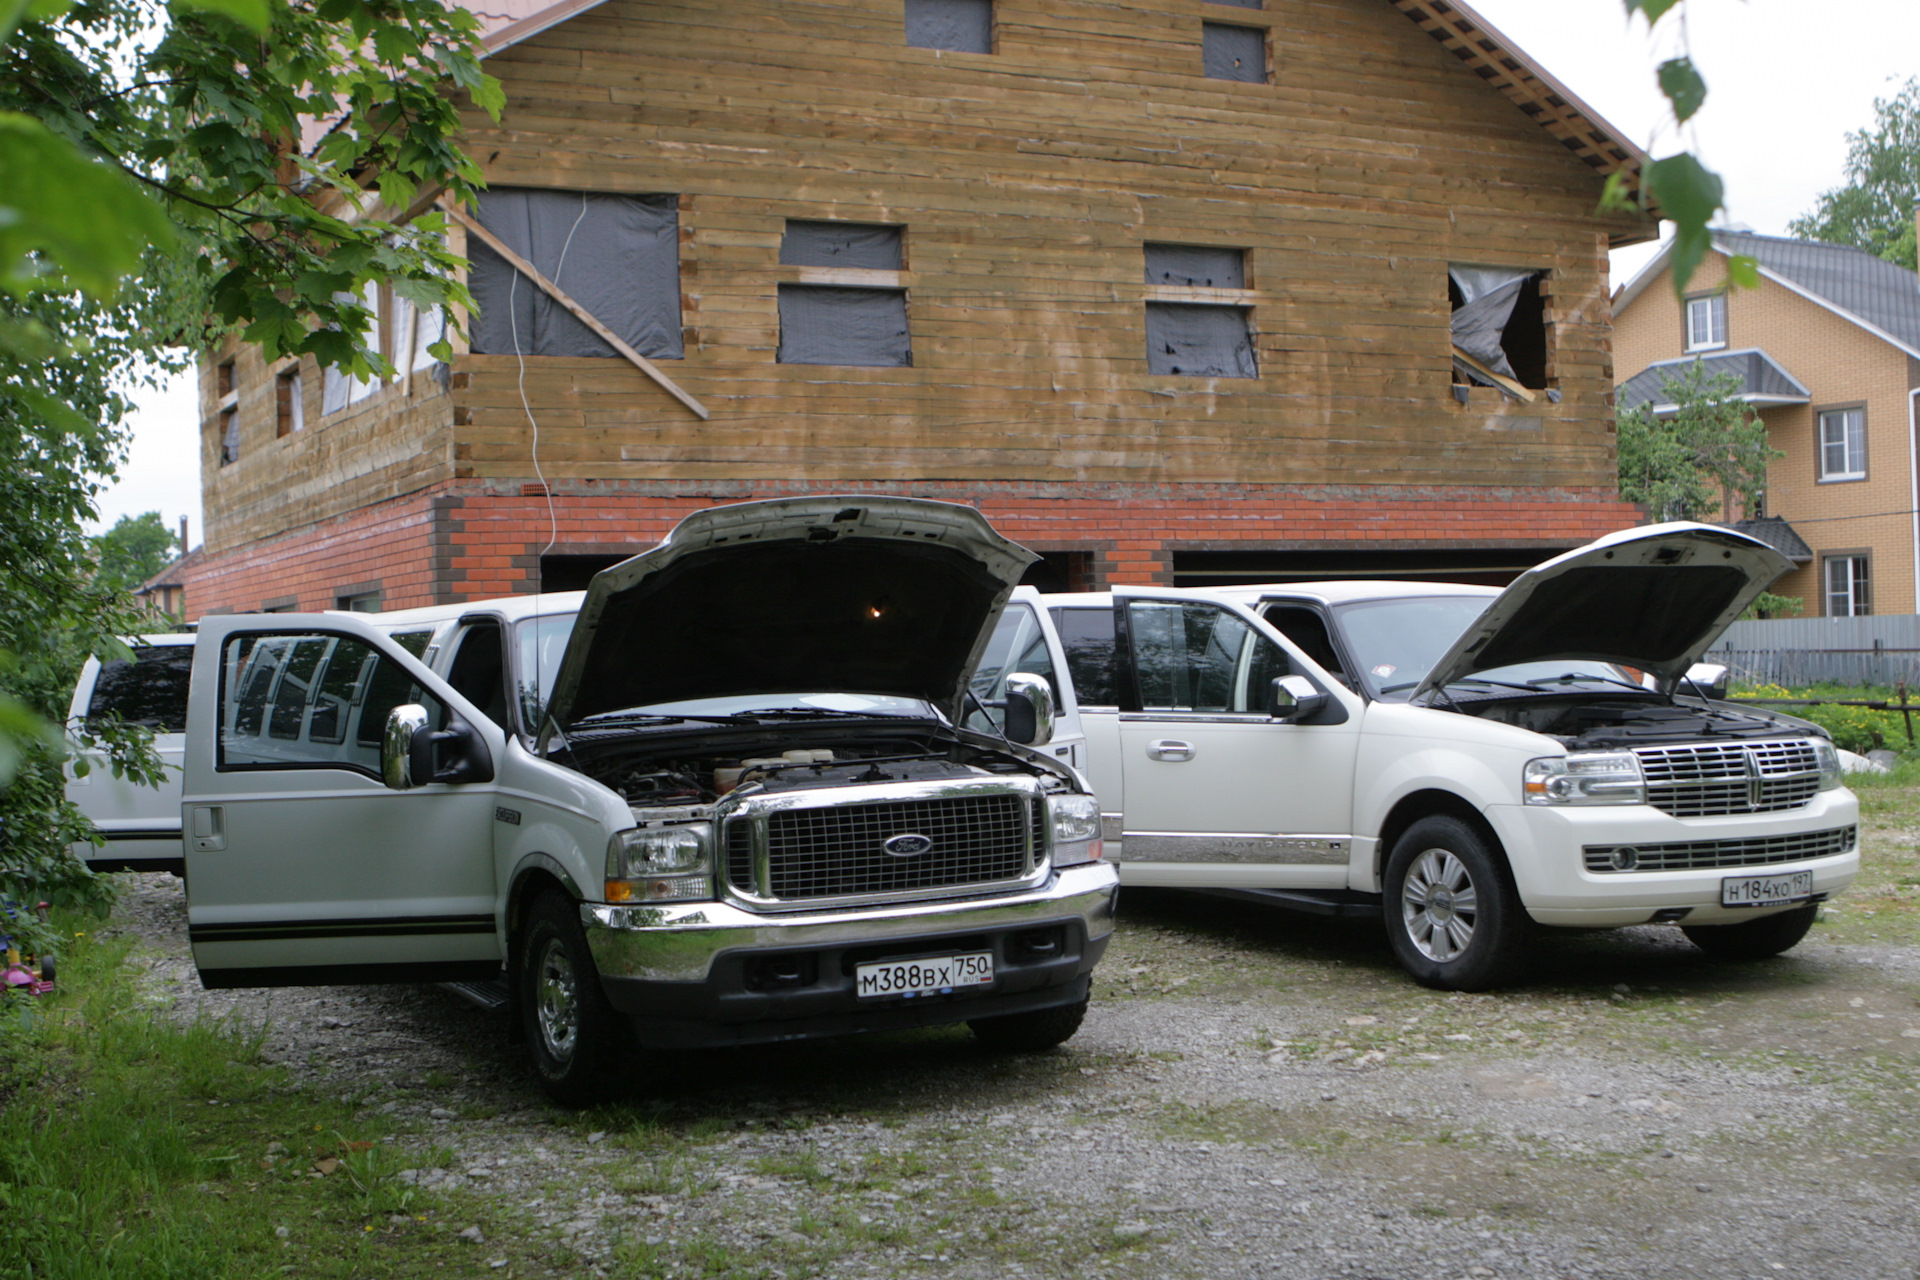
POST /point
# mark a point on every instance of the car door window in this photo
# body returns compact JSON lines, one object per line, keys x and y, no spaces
{"x":1307,"y":629}
{"x":151,"y":690}
{"x":310,"y":701}
{"x":1201,"y":657}
{"x":478,"y":672}
{"x":1087,"y":637}
{"x":1018,"y":645}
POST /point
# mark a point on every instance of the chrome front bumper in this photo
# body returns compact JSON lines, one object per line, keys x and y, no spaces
{"x":681,"y":943}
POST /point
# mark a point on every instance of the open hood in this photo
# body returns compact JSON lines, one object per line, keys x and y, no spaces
{"x":838,"y":594}
{"x":1653,"y":598}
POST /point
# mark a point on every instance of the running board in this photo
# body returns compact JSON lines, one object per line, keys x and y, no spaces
{"x":491,"y":996}
{"x":1347,"y":904}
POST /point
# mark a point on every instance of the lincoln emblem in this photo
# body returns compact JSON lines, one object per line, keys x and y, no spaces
{"x":908,"y":845}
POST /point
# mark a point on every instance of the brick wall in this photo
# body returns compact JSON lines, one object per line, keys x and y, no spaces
{"x":466,"y":543}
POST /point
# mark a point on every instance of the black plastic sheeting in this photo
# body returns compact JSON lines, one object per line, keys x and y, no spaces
{"x":1480,"y":325}
{"x":1241,"y":4}
{"x":623,"y":266}
{"x":1197,"y":265}
{"x":841,"y":244}
{"x":1233,"y":53}
{"x":1199,"y":341}
{"x":962,"y":26}
{"x":822,"y":324}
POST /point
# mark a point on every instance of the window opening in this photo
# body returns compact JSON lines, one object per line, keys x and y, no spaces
{"x":1848,"y":589}
{"x":1018,"y":645}
{"x":223,"y":379}
{"x":478,"y":673}
{"x":290,"y":410}
{"x":1499,"y":326}
{"x":1087,"y":637}
{"x":840,"y":323}
{"x":229,"y":436}
{"x":1196,"y":266}
{"x":361,"y":602}
{"x":1233,"y":53}
{"x":1240,"y":4}
{"x":1200,"y":340}
{"x":150,"y":691}
{"x":1707,"y":322}
{"x":958,"y":26}
{"x":1843,"y":444}
{"x":1201,"y":658}
{"x":622,"y":265}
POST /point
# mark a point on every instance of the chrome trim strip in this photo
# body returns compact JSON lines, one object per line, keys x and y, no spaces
{"x":1110,"y":825}
{"x":1196,"y":717}
{"x":1169,"y":846}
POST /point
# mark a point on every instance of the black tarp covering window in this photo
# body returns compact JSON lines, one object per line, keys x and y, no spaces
{"x":1196,"y":265}
{"x":1233,"y":53}
{"x":621,"y":263}
{"x":1199,"y":341}
{"x":841,"y":244}
{"x":1491,"y":325}
{"x":963,"y":26}
{"x":1240,"y":4}
{"x":822,"y":324}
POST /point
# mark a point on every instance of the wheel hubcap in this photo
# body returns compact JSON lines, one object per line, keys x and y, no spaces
{"x":557,"y":1001}
{"x":1439,"y":905}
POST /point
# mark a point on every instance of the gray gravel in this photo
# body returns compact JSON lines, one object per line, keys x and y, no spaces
{"x":1254,"y":1094}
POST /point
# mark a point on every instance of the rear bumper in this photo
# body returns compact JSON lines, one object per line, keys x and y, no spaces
{"x":710,"y":974}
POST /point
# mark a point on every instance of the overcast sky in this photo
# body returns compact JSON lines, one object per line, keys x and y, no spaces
{"x":1787,"y":80}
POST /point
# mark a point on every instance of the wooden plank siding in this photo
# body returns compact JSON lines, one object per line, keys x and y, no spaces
{"x":1027,"y":181}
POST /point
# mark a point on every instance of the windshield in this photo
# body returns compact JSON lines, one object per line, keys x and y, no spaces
{"x":1396,"y":642}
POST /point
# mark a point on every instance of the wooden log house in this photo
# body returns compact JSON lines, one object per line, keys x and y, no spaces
{"x":1164,"y":287}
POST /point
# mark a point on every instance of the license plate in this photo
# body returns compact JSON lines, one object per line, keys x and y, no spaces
{"x":1766,"y":891}
{"x":933,"y":975}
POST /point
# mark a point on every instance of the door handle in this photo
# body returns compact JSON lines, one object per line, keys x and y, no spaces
{"x":208,"y":828}
{"x":1170,"y":749}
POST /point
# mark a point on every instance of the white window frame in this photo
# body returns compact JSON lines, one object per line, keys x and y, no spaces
{"x":1713,"y":308}
{"x":1850,"y":442}
{"x":1853,"y":597}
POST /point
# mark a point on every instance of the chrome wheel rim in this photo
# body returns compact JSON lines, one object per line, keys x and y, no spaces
{"x":1439,"y":905}
{"x":557,"y":1000}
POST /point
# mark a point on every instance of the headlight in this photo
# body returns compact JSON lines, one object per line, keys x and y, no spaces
{"x":1829,"y":757}
{"x":1076,"y":829}
{"x":661,"y":864}
{"x":1585,"y":777}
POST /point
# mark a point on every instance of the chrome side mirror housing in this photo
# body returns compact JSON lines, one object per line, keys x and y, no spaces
{"x":1029,"y":710}
{"x":1294,"y":698}
{"x":1711,"y":679}
{"x":406,"y":748}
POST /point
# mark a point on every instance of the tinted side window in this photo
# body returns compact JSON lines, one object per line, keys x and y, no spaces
{"x":1087,"y":637}
{"x":1018,"y":645}
{"x":313,"y":701}
{"x":1196,"y":657}
{"x":151,"y":690}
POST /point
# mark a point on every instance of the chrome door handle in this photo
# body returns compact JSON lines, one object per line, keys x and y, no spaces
{"x":1171,"y":749}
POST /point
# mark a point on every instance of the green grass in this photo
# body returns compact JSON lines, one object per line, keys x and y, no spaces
{"x":134,"y":1147}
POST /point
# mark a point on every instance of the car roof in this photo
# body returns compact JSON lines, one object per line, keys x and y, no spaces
{"x":510,"y":608}
{"x":162,"y":638}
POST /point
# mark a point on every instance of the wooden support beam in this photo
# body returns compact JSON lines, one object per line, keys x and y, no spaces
{"x":1499,"y":380}
{"x":580,"y":313}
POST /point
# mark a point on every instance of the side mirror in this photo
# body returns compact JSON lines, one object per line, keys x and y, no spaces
{"x":1293,"y":699}
{"x":406,"y":749}
{"x":1711,"y":679}
{"x":1029,"y":710}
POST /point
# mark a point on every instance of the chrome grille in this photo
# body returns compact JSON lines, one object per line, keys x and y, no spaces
{"x":1709,"y":855}
{"x":837,"y":851}
{"x":1703,"y":780}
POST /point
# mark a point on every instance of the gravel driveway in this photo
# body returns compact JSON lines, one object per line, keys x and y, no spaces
{"x":1254,"y":1094}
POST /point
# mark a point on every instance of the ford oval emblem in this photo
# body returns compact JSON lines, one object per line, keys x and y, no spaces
{"x":908,"y":845}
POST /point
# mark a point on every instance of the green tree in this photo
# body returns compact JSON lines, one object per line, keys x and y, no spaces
{"x":156,"y":194}
{"x":1874,"y":210}
{"x":1708,"y":457}
{"x":134,"y":550}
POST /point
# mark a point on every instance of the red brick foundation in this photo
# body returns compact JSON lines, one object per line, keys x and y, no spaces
{"x":463,"y":542}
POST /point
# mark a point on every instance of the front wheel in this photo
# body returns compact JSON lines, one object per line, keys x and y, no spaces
{"x":1753,"y":939}
{"x":1453,"y":918}
{"x":1029,"y":1032}
{"x":574,"y":1037}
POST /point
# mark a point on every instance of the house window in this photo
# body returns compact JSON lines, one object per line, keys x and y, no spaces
{"x":1707,"y":322}
{"x":1849,"y":593}
{"x":290,"y":410}
{"x":1233,"y":53}
{"x":1499,"y":325}
{"x":616,"y":256}
{"x":849,"y":306}
{"x":229,"y":436}
{"x":228,"y":407}
{"x":1199,"y":322}
{"x":338,"y":389}
{"x":1843,"y":444}
{"x":223,"y":385}
{"x":355,"y":601}
{"x":960,"y":26}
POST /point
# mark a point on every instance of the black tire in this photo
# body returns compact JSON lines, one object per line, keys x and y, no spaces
{"x":1029,"y":1032}
{"x":1754,"y":939}
{"x":575,"y":1040}
{"x":1445,"y":940}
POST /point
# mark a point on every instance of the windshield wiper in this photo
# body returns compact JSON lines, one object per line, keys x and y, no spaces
{"x":1572,"y":676}
{"x":605,"y":718}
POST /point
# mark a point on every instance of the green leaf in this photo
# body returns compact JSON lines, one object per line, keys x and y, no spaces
{"x":1681,"y":82}
{"x":90,"y":221}
{"x":249,"y":13}
{"x":46,"y":10}
{"x":1744,"y":271}
{"x":1654,"y":10}
{"x":1690,"y":194}
{"x":1616,"y":197}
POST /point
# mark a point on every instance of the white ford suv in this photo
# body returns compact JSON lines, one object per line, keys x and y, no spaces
{"x":1465,"y":761}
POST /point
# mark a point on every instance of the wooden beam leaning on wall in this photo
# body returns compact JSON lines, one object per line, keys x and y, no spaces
{"x":1499,"y":380}
{"x":580,"y":313}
